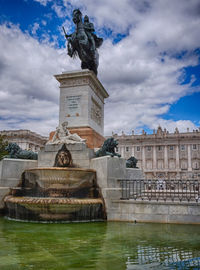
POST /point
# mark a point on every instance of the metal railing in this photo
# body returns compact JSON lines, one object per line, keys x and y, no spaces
{"x":166,"y":190}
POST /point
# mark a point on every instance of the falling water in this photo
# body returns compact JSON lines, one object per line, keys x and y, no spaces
{"x":56,"y":195}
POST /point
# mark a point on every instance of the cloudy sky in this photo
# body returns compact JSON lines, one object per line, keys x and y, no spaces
{"x":149,"y":62}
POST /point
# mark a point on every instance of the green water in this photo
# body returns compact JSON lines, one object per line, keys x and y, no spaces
{"x":101,"y":245}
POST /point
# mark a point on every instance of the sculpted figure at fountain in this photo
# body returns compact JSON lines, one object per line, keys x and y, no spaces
{"x":108,"y":148}
{"x":16,"y":152}
{"x":131,"y":162}
{"x":63,"y":135}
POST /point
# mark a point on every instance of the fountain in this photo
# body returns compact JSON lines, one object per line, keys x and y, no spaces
{"x":61,"y":193}
{"x":63,"y":188}
{"x":56,"y":194}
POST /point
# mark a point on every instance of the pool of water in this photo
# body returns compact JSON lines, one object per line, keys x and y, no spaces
{"x":101,"y":245}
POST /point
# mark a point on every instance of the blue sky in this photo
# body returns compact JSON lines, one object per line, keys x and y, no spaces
{"x":149,"y":62}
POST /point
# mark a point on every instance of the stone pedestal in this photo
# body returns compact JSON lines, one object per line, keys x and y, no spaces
{"x":109,"y":170}
{"x":93,"y":138}
{"x":11,"y":170}
{"x":81,"y":155}
{"x":82,"y":105}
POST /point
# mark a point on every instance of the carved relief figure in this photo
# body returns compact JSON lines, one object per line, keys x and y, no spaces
{"x":63,"y":158}
{"x":96,"y":113}
{"x":63,"y":135}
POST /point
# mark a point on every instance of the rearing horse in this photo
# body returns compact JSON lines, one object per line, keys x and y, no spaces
{"x":80,"y":43}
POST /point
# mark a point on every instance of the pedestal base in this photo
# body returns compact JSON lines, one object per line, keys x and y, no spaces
{"x":82,"y":100}
{"x":93,"y":139}
{"x":80,"y":153}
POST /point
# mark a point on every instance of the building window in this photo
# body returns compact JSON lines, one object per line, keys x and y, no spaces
{"x":127,"y":149}
{"x":148,"y":148}
{"x":138,"y":148}
{"x":149,"y":164}
{"x":194,"y":147}
{"x":171,"y":147}
{"x":117,"y":149}
{"x":184,"y":165}
{"x":182,"y":147}
{"x":160,"y":164}
{"x":159,"y":148}
{"x":171,"y":164}
{"x":195,"y":165}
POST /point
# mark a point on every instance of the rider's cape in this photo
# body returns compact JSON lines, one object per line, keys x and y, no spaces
{"x":98,"y":41}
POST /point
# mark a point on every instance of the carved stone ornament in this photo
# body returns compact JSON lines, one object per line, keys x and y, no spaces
{"x":75,"y":82}
{"x":63,"y":158}
{"x":96,"y":112}
{"x":62,"y":135}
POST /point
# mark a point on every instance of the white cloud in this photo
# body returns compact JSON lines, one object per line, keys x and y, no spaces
{"x":141,"y":72}
{"x":35,"y":27}
{"x":60,"y":11}
{"x":43,"y":2}
{"x":29,"y":92}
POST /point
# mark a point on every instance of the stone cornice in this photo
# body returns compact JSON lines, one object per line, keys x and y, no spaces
{"x":83,"y":77}
{"x":154,"y":138}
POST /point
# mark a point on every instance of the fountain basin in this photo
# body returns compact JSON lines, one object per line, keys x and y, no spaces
{"x":59,"y":182}
{"x":56,"y":194}
{"x":54,"y":209}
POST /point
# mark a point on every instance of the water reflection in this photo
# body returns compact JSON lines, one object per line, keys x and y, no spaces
{"x":167,"y":256}
{"x":98,"y":246}
{"x":154,"y":246}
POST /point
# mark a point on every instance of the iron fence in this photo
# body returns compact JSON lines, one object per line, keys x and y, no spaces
{"x":173,"y":190}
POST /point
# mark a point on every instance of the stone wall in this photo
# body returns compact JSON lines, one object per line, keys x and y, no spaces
{"x":11,"y":170}
{"x":157,"y":212}
{"x":110,"y":170}
{"x":10,"y":174}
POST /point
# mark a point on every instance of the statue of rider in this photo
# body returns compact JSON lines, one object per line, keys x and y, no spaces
{"x":83,"y":42}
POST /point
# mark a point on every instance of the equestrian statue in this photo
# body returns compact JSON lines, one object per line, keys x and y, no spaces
{"x":83,"y":42}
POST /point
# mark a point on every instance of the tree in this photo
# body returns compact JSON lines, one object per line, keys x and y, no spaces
{"x":3,"y":144}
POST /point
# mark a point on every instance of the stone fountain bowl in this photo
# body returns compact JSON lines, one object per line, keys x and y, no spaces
{"x":60,"y":182}
{"x":56,"y":177}
{"x":54,"y":209}
{"x":56,"y":194}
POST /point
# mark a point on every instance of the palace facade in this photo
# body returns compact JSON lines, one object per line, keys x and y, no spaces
{"x":163,"y":154}
{"x":26,"y":139}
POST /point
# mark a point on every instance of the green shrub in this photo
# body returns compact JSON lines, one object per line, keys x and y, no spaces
{"x":3,"y":144}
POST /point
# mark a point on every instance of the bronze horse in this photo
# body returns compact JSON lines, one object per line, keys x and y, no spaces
{"x":84,"y":43}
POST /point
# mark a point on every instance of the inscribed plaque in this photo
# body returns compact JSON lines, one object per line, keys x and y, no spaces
{"x":73,"y":105}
